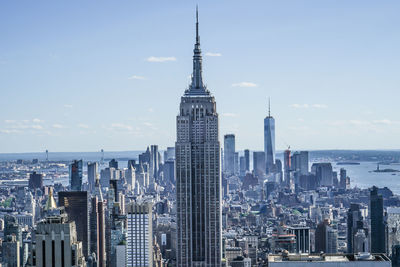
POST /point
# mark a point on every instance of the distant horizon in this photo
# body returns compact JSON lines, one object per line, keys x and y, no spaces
{"x":72,"y":80}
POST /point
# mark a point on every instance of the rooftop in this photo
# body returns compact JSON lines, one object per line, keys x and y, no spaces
{"x":327,"y":257}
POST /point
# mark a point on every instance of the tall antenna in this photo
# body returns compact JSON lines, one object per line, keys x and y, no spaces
{"x":47,"y":155}
{"x":269,"y":107}
{"x":102,"y":156}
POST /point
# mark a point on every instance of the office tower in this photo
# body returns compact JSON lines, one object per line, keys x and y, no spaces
{"x":106,"y":175}
{"x":302,"y":238}
{"x":154,"y":163}
{"x":76,"y":206}
{"x":396,"y":256}
{"x":11,"y":251}
{"x":377,"y":223}
{"x":286,"y":166}
{"x":169,"y":153}
{"x":113,"y":164}
{"x":269,"y":140}
{"x":393,"y":224}
{"x":139,"y":240}
{"x":343,"y":176}
{"x":259,"y":163}
{"x":229,"y":154}
{"x":247,"y":159}
{"x":131,"y":163}
{"x":198,"y":179}
{"x":236,"y":163}
{"x":169,"y":170}
{"x":325,"y":238}
{"x":354,"y":224}
{"x":11,"y":227}
{"x":242,"y":166}
{"x":97,"y":230}
{"x":145,"y":157}
{"x":75,"y":175}
{"x":299,"y":162}
{"x":324,"y":173}
{"x":92,"y":170}
{"x":57,"y":243}
{"x":35,"y":181}
{"x":130,"y":176}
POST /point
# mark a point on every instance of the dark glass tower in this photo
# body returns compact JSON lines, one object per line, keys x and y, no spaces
{"x":198,"y":173}
{"x":269,"y":140}
{"x":76,"y":206}
{"x":377,"y":223}
{"x":75,"y":175}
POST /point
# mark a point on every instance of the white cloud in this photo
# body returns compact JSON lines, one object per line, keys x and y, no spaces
{"x":299,"y":105}
{"x":160,"y":59}
{"x":319,"y":106}
{"x":9,"y":131}
{"x":211,"y":54}
{"x":58,"y":126}
{"x":36,"y":120}
{"x":229,"y":114}
{"x":84,"y":126}
{"x":37,"y":127}
{"x":385,"y":121}
{"x":67,"y":106}
{"x":10,"y":121}
{"x":136,"y":77}
{"x":244,"y":84}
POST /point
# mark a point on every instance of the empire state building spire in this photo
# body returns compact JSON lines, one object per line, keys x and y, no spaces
{"x":197,"y":86}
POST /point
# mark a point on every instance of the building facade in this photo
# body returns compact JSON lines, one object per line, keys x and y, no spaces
{"x":198,"y":173}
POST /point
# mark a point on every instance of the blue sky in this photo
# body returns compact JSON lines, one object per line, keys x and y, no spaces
{"x":86,"y":75}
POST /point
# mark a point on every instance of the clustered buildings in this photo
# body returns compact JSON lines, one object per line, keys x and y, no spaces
{"x":195,"y":204}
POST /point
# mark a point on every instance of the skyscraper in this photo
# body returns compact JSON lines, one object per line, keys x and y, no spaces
{"x":247,"y":159}
{"x":35,"y":181}
{"x":97,"y":226}
{"x":57,"y":243}
{"x":377,"y":223}
{"x":92,"y":170}
{"x":139,"y":240}
{"x":269,"y":140}
{"x":198,"y":178}
{"x":76,"y":206}
{"x":259,"y":163}
{"x":229,"y":154}
{"x":75,"y":175}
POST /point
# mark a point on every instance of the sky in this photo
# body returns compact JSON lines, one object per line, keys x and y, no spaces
{"x":87,"y":75}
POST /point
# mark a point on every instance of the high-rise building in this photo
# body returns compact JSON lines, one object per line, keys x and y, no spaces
{"x":75,"y":175}
{"x":92,"y":170}
{"x":269,"y":140}
{"x":198,"y":178}
{"x":377,"y":222}
{"x":11,"y":251}
{"x":247,"y":159}
{"x":299,"y":162}
{"x":287,"y":167}
{"x":76,"y":206}
{"x":324,"y":173}
{"x":343,"y":176}
{"x":259,"y":163}
{"x":302,"y":238}
{"x":113,"y":164}
{"x":354,"y":224}
{"x":393,"y":223}
{"x":139,"y":239}
{"x":242,"y":166}
{"x":325,"y":238}
{"x":57,"y":243}
{"x":229,"y":154}
{"x":35,"y":181}
{"x":97,"y":227}
{"x":154,"y":163}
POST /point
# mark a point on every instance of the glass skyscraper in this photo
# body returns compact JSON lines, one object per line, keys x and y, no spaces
{"x":269,"y":141}
{"x":198,"y":173}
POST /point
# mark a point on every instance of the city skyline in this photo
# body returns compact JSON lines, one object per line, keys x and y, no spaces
{"x":98,"y":90}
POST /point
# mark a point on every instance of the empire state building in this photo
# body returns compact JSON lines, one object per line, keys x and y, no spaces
{"x":198,"y":173}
